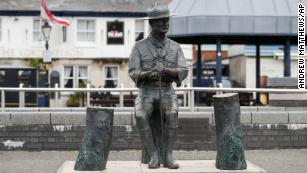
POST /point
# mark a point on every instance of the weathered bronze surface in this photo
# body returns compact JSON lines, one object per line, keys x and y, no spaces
{"x":93,"y":154}
{"x":155,"y":63}
{"x":230,"y":150}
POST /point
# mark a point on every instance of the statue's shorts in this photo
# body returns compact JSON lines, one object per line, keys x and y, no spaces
{"x":148,"y":100}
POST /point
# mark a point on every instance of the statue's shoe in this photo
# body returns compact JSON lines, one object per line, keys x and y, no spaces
{"x":154,"y":162}
{"x":171,"y":165}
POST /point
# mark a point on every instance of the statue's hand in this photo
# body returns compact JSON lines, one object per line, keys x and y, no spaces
{"x":154,"y":75}
{"x":160,"y":68}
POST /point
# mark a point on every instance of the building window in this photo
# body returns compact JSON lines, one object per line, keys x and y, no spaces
{"x":111,"y":76}
{"x":115,"y":32}
{"x":71,"y":80}
{"x":86,"y":30}
{"x":68,"y":76}
{"x":139,"y":30}
{"x":82,"y":76}
{"x":37,"y":34}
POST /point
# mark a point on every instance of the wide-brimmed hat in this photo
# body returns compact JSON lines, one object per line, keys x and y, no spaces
{"x":158,"y":12}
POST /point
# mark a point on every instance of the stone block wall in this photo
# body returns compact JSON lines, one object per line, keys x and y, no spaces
{"x":273,"y":128}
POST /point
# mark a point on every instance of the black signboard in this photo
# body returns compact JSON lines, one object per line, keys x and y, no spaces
{"x":12,"y":77}
{"x":115,"y":32}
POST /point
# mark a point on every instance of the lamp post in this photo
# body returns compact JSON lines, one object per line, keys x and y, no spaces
{"x":46,"y":29}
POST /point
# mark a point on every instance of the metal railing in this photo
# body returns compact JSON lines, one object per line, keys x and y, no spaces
{"x":188,"y":93}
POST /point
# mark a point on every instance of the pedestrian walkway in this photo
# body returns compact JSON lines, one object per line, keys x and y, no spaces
{"x":273,"y":161}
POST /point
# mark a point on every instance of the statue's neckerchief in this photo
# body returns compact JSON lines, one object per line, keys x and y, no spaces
{"x":161,"y":47}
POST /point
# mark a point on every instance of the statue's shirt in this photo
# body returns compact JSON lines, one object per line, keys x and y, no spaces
{"x":148,"y":52}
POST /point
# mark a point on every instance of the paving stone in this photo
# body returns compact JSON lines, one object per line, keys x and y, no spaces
{"x":197,"y":115}
{"x":28,"y":118}
{"x":295,"y":109}
{"x":68,"y":118}
{"x":123,"y":118}
{"x":246,"y":117}
{"x":186,"y":166}
{"x":298,"y":117}
{"x":249,"y":109}
{"x":269,"y":117}
{"x":270,"y":109}
{"x":4,"y":118}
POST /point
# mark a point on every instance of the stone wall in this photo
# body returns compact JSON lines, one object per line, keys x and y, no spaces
{"x":263,"y":128}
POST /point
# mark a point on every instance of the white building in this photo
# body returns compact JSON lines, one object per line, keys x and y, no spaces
{"x":95,"y":47}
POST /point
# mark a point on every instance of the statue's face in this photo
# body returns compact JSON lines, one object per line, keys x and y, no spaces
{"x":159,"y":25}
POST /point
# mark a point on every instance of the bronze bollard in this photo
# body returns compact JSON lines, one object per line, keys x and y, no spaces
{"x":230,"y":150}
{"x":94,"y":151}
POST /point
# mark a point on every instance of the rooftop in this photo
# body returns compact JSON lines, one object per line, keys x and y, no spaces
{"x":81,"y":5}
{"x":236,"y":21}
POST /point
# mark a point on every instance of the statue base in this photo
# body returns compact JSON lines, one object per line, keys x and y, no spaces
{"x":185,"y":166}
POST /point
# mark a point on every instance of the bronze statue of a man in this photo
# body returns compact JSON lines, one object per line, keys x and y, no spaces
{"x":155,"y":63}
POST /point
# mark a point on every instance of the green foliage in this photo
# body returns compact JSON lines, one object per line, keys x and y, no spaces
{"x":82,"y":84}
{"x":73,"y":100}
{"x":35,"y":62}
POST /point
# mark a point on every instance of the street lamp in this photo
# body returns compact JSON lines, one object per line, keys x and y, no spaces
{"x":46,"y":29}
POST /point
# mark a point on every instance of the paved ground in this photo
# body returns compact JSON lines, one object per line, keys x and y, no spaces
{"x":274,"y":161}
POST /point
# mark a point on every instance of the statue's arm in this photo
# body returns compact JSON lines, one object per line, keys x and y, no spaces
{"x":135,"y":65}
{"x":135,"y":70}
{"x":181,"y":71}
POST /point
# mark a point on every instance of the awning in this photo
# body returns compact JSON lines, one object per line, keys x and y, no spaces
{"x":235,"y":21}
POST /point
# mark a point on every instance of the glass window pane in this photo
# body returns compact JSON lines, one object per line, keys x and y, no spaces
{"x":91,"y":36}
{"x":37,"y":34}
{"x":86,"y":30}
{"x":90,"y":25}
{"x":110,"y":84}
{"x":82,"y":83}
{"x":111,"y":77}
{"x":83,"y":72}
{"x":81,"y":25}
{"x":86,"y":25}
{"x":111,"y":72}
{"x":36,"y":26}
{"x":86,"y":36}
{"x":81,"y":36}
{"x":68,"y":71}
{"x":68,"y":83}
